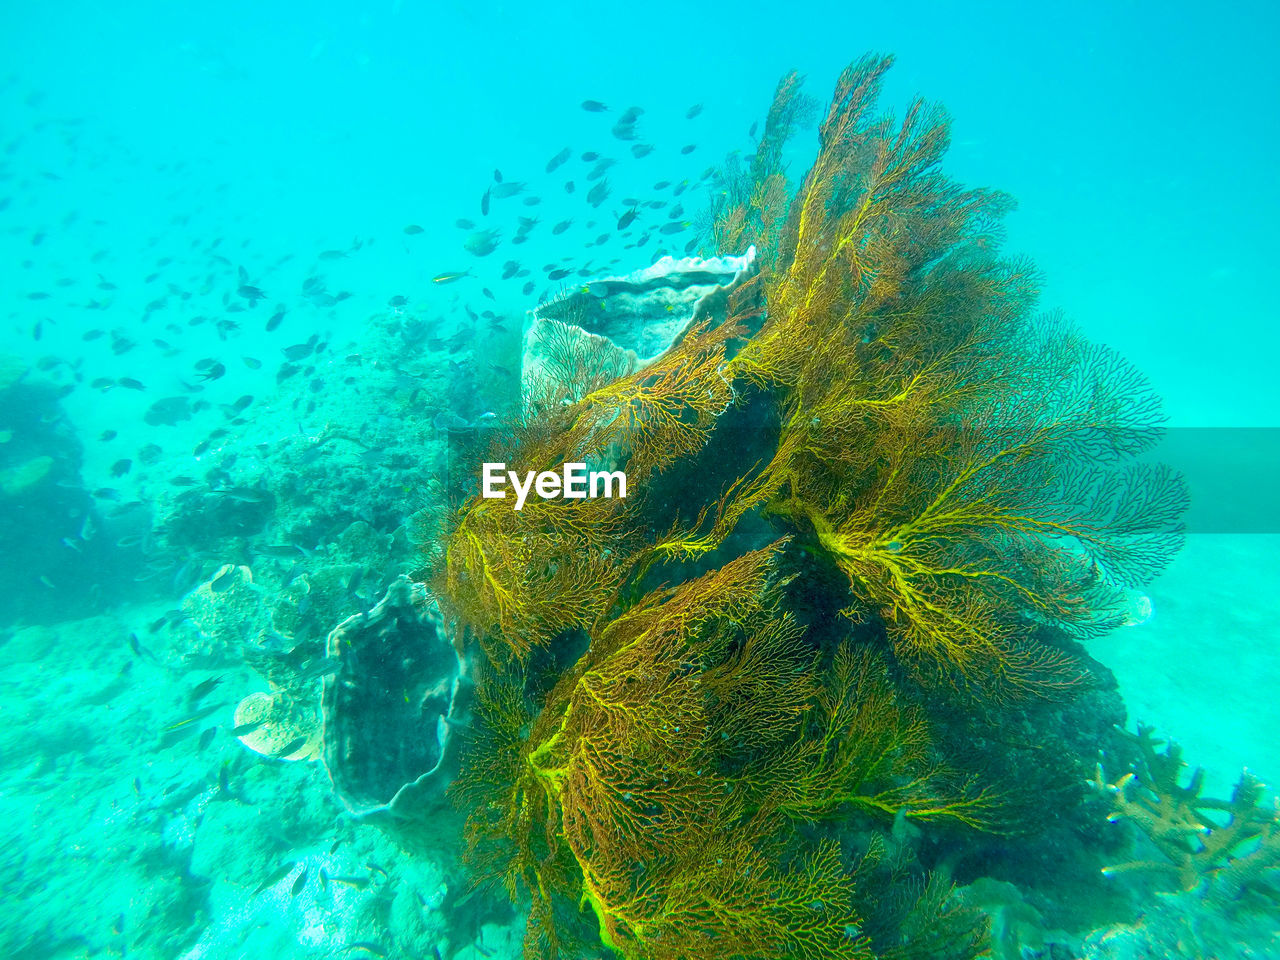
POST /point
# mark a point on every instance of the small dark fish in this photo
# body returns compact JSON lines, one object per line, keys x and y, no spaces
{"x":450,"y":277}
{"x":413,"y":229}
{"x":510,"y":269}
{"x":641,"y":150}
{"x":509,"y":189}
{"x":121,"y":467}
{"x":368,"y":945}
{"x":497,"y":175}
{"x":108,"y":435}
{"x":131,"y":384}
{"x":399,"y":300}
{"x":176,"y":735}
{"x":250,"y":292}
{"x":224,"y":581}
{"x":137,"y":648}
{"x":669,"y":228}
{"x":206,"y":738}
{"x":754,"y":127}
{"x":275,"y":877}
{"x":627,"y":219}
{"x":189,"y":722}
{"x":287,"y":551}
{"x":276,"y":319}
{"x":693,"y":111}
{"x":244,"y":495}
{"x":484,"y":203}
{"x":183,"y":481}
{"x":244,"y":729}
{"x":589,"y":157}
{"x":558,"y":274}
{"x":561,"y":227}
{"x":336,"y":844}
{"x":118,"y":685}
{"x":688,"y":149}
{"x":214,"y":372}
{"x":601,"y":167}
{"x":527,"y":288}
{"x":558,"y":159}
{"x":299,"y":883}
{"x":202,"y":689}
{"x":482,"y":242}
{"x":291,"y":747}
{"x":569,"y":187}
{"x":464,"y":224}
{"x":599,"y":193}
{"x":359,"y":883}
{"x":321,"y":668}
{"x":593,"y":106}
{"x":253,"y":363}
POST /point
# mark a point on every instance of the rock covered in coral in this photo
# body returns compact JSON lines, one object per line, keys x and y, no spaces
{"x":225,"y":611}
{"x":390,"y":707}
{"x":64,"y":568}
{"x":312,"y":603}
{"x":281,"y":726}
{"x":1228,"y":850}
{"x":614,"y":326}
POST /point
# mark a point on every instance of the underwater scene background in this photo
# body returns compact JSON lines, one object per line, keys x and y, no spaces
{"x":885,"y":651}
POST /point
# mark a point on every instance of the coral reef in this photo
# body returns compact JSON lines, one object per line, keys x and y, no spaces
{"x":395,"y":694}
{"x":1227,"y":850}
{"x":226,"y":612}
{"x":282,"y":728}
{"x":613,"y":326}
{"x":674,"y":729}
{"x":68,"y":564}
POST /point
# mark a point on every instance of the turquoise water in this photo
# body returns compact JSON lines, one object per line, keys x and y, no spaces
{"x":174,"y":179}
